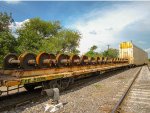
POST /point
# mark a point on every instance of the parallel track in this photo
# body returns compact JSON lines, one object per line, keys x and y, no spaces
{"x":117,"y":108}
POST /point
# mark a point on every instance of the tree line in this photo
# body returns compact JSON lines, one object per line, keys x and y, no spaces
{"x":37,"y":35}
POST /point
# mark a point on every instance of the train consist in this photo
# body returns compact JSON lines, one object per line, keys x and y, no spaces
{"x":49,"y":70}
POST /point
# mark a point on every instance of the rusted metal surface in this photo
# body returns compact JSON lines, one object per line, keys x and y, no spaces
{"x":11,"y":61}
{"x":27,"y":60}
{"x":20,"y":77}
{"x":45,"y":60}
{"x":35,"y":72}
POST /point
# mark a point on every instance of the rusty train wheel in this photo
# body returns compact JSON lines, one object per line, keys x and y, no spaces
{"x":98,"y":60}
{"x":53,"y":59}
{"x":7,"y":59}
{"x":102,"y":60}
{"x":41,"y":58}
{"x":116,"y":60}
{"x":29,"y":87}
{"x":27,"y":61}
{"x":84,"y":60}
{"x":92,"y":61}
{"x":62,"y":60}
{"x":113,"y":60}
{"x":74,"y":60}
{"x":105,"y":60}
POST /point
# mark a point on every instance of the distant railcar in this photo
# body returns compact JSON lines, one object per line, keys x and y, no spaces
{"x":134,"y":54}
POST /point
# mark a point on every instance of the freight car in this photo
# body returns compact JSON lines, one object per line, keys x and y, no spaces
{"x":49,"y":70}
{"x":134,"y":54}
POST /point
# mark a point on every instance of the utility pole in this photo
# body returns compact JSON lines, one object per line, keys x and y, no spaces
{"x":108,"y":46}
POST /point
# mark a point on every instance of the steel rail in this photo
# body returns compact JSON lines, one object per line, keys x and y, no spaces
{"x":118,"y":105}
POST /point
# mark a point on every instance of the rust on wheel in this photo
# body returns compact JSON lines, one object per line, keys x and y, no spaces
{"x":53,"y":59}
{"x":84,"y":60}
{"x":62,"y":60}
{"x":27,"y":60}
{"x":74,"y":60}
{"x":116,"y":60}
{"x":109,"y":60}
{"x":43,"y":60}
{"x":105,"y":60}
{"x":11,"y":61}
{"x":113,"y":60}
{"x":92,"y":60}
{"x":98,"y":60}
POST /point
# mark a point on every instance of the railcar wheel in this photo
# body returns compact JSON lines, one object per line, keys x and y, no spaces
{"x":43,"y":60}
{"x":98,"y":61}
{"x":65,"y":83}
{"x":53,"y":60}
{"x":74,"y":60}
{"x":62,"y":60}
{"x":7,"y":59}
{"x":27,"y":61}
{"x":84,"y":60}
{"x":29,"y":87}
{"x":105,"y":60}
{"x":102,"y":60}
{"x":55,"y":84}
{"x":92,"y":61}
{"x":113,"y":60}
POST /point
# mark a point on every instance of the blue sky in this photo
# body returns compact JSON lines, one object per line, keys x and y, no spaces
{"x":66,"y":12}
{"x":100,"y":23}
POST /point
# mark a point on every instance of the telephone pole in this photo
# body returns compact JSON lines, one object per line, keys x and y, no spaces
{"x":108,"y":46}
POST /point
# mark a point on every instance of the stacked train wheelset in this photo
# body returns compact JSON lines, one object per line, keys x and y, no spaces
{"x":45,"y":60}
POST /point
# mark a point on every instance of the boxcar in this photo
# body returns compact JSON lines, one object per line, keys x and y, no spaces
{"x":134,"y":54}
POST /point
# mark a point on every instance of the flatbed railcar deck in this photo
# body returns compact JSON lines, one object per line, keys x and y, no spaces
{"x":11,"y":78}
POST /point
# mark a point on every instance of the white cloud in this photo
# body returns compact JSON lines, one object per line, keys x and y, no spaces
{"x":16,"y":25}
{"x":12,"y":1}
{"x":100,"y":27}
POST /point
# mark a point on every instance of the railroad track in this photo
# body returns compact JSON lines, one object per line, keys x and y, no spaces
{"x":136,"y":97}
{"x":23,"y":98}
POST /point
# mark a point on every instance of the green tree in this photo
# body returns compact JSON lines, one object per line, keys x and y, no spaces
{"x":93,"y":48}
{"x":5,"y":21}
{"x":38,"y":35}
{"x":111,"y":53}
{"x":92,"y":52}
{"x":66,"y":41}
{"x":70,"y":40}
{"x":7,"y":40}
{"x":33,"y":32}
